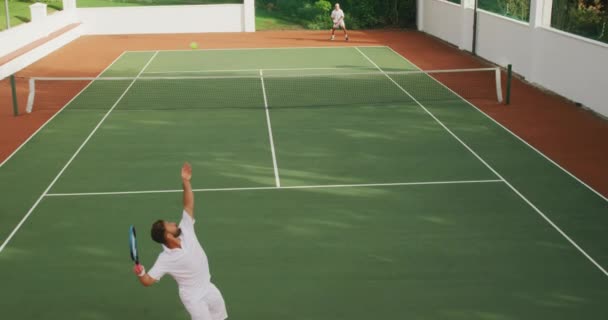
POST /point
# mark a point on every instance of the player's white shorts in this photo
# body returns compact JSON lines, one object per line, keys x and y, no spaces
{"x":341,"y":24}
{"x":210,"y":307}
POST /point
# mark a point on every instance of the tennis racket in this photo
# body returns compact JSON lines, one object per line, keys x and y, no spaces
{"x":133,"y":245}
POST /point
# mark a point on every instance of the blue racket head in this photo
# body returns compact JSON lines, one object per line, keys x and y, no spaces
{"x":133,"y":244}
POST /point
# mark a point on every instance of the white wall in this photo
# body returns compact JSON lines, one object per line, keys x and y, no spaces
{"x":15,"y":38}
{"x":443,"y":20}
{"x":574,"y":67}
{"x":505,"y":41}
{"x":162,"y":19}
{"x":249,"y":15}
{"x":39,"y":52}
{"x":569,"y":65}
{"x":121,"y":20}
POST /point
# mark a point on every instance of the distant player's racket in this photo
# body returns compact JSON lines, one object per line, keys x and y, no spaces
{"x":133,"y":245}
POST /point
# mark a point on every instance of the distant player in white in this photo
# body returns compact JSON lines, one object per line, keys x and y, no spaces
{"x":185,"y":260}
{"x":337,"y":16}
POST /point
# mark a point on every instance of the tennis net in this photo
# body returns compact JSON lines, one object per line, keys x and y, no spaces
{"x":266,"y":90}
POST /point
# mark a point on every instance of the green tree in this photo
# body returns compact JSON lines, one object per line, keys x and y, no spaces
{"x":317,"y":14}
{"x":519,"y":9}
{"x":360,"y":14}
{"x":588,"y":18}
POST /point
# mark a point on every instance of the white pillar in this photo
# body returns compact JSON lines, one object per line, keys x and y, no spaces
{"x":547,"y":11}
{"x":420,"y":14}
{"x":540,"y":16}
{"x":69,"y":5}
{"x":537,"y":16}
{"x":7,"y":14}
{"x":38,"y":11}
{"x":249,"y":15}
{"x":466,"y":26}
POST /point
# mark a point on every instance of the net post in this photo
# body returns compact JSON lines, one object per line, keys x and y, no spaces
{"x":14,"y":93}
{"x":30,"y":97}
{"x":498,"y":85}
{"x":509,"y":78}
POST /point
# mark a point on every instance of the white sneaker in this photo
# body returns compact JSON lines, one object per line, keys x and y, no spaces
{"x":333,"y":38}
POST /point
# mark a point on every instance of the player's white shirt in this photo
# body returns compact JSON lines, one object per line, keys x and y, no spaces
{"x":337,"y":15}
{"x":188,"y":265}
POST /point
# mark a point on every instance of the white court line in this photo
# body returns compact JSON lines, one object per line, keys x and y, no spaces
{"x":328,"y":186}
{"x":495,"y":172}
{"x":12,"y":234}
{"x":244,"y":49}
{"x":274,"y":156}
{"x":254,"y":70}
{"x":508,"y":130}
{"x":58,"y":112}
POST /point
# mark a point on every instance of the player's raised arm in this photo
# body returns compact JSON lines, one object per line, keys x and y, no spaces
{"x":188,"y":195}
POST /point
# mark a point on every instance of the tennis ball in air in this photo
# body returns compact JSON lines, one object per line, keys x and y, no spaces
{"x":193,"y":45}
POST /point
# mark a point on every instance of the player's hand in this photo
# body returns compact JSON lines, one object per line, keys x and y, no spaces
{"x":139,"y":270}
{"x":186,"y":171}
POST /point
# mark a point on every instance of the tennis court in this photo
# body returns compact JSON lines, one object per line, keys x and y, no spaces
{"x":332,"y":183}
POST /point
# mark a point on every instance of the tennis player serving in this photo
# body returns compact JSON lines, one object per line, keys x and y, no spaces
{"x":337,"y":16}
{"x":185,"y":260}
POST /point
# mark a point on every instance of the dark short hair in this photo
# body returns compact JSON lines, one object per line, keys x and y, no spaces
{"x":158,"y":231}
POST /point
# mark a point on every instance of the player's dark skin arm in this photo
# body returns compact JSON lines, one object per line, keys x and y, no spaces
{"x":188,"y":194}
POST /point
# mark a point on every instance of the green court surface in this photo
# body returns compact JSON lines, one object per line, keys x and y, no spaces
{"x":326,"y":189}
